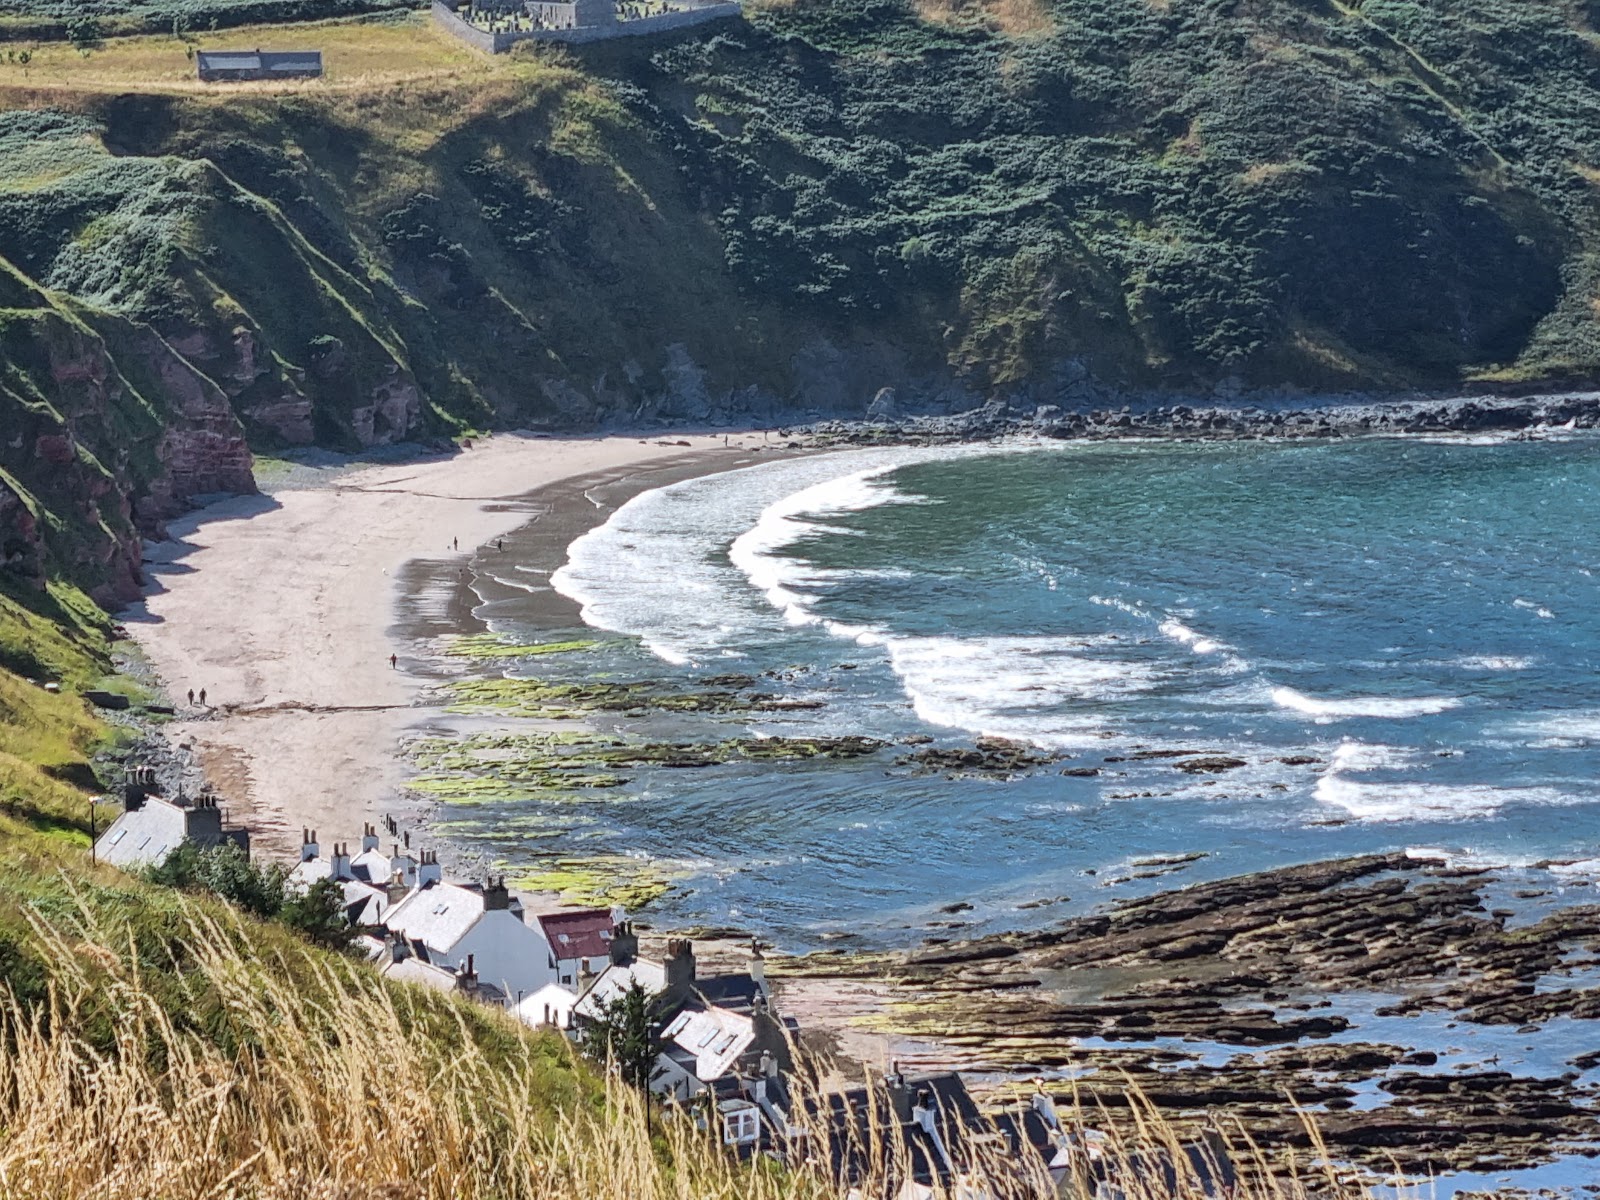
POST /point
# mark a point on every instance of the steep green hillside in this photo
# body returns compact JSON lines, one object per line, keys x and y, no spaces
{"x":961,"y":198}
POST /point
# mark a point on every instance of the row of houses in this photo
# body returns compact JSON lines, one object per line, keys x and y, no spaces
{"x":727,"y":1057}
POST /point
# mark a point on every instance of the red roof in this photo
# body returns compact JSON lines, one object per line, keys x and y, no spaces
{"x":582,"y":934}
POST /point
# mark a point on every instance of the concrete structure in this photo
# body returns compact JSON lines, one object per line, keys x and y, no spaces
{"x":571,"y":14}
{"x":150,"y":828}
{"x":238,"y":66}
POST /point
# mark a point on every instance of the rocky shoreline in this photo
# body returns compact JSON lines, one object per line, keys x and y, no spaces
{"x":1387,"y":995}
{"x":885,"y":422}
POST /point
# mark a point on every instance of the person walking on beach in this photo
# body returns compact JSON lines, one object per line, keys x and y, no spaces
{"x":394,"y":662}
{"x":500,"y":545}
{"x":202,"y":697}
{"x":191,"y":697}
{"x":455,"y":543}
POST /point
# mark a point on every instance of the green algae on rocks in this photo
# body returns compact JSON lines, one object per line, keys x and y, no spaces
{"x":601,"y":880}
{"x":566,"y":701}
{"x":494,"y":645}
{"x":526,"y":755}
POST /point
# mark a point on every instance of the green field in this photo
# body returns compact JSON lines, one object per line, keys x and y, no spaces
{"x":358,"y":53}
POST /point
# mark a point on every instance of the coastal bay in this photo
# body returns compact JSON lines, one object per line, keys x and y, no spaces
{"x":993,"y":975}
{"x":284,"y":608}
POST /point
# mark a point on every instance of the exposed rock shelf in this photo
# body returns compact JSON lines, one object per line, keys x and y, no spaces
{"x":1272,"y":964}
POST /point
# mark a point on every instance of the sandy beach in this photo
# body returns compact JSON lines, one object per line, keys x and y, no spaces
{"x":284,"y":608}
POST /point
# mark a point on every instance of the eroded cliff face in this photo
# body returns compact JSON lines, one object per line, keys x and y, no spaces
{"x":108,"y":431}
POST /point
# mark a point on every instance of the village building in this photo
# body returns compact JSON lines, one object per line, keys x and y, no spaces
{"x":580,"y":944}
{"x":446,"y":924}
{"x":551,"y":1006}
{"x":404,"y":968}
{"x":372,"y":865}
{"x":150,"y":827}
{"x":365,"y":900}
{"x":720,"y":1035}
{"x":918,"y":1137}
{"x":238,"y":66}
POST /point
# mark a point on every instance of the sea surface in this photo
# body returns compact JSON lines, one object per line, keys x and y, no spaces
{"x":1413,"y":624}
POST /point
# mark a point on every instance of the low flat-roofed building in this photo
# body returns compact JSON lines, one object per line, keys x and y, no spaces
{"x":238,"y":66}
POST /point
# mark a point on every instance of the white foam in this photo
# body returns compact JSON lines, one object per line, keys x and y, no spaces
{"x":1389,"y":707}
{"x":1367,"y":756}
{"x":654,"y":569}
{"x":1183,"y":635}
{"x":1424,"y":801}
{"x":1552,"y":731}
{"x":1044,"y":690}
{"x":1411,"y":799}
{"x":1490,"y":662}
{"x":781,"y":577}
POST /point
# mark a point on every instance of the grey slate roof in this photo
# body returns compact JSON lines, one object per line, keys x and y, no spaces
{"x":144,"y":837}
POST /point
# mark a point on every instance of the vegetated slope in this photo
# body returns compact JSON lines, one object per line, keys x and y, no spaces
{"x":961,"y":198}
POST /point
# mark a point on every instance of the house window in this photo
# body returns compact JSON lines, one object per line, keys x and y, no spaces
{"x":567,"y":979}
{"x":740,"y":1128}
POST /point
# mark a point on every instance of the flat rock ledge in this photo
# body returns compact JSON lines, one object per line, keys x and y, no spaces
{"x":1225,"y":1000}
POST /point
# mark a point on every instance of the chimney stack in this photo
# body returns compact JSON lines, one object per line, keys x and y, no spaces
{"x":467,"y":975}
{"x":496,"y":896}
{"x":202,"y":824}
{"x":403,"y":865}
{"x":339,"y":867}
{"x":428,"y":870}
{"x":398,"y":950}
{"x":398,"y":888}
{"x":308,"y":845}
{"x":624,"y":944}
{"x":679,"y":969}
{"x":369,"y":839}
{"x":136,"y":788}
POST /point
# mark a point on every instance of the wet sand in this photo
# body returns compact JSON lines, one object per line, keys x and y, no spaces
{"x":286,"y":608}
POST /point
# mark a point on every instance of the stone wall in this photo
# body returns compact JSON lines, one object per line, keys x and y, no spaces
{"x":490,"y":43}
{"x":499,"y":43}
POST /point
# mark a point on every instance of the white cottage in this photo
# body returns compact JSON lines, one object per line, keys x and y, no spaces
{"x":445,"y":923}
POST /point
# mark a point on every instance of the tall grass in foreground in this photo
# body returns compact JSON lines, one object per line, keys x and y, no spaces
{"x":297,"y":1075}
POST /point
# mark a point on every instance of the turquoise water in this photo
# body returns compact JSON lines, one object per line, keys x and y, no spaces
{"x":1417,"y":617}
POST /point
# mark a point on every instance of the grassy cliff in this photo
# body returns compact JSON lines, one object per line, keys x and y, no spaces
{"x":960,"y":198}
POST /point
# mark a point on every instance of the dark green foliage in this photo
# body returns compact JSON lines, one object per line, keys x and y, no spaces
{"x":624,"y":1035}
{"x":86,"y":22}
{"x":318,"y":913}
{"x":259,"y":889}
{"x":835,"y":195}
{"x":1234,"y":182}
{"x":84,"y":30}
{"x":227,"y":871}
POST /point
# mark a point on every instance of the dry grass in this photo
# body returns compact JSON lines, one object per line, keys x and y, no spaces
{"x":303,"y":1077}
{"x":356,"y":54}
{"x":1014,"y":18}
